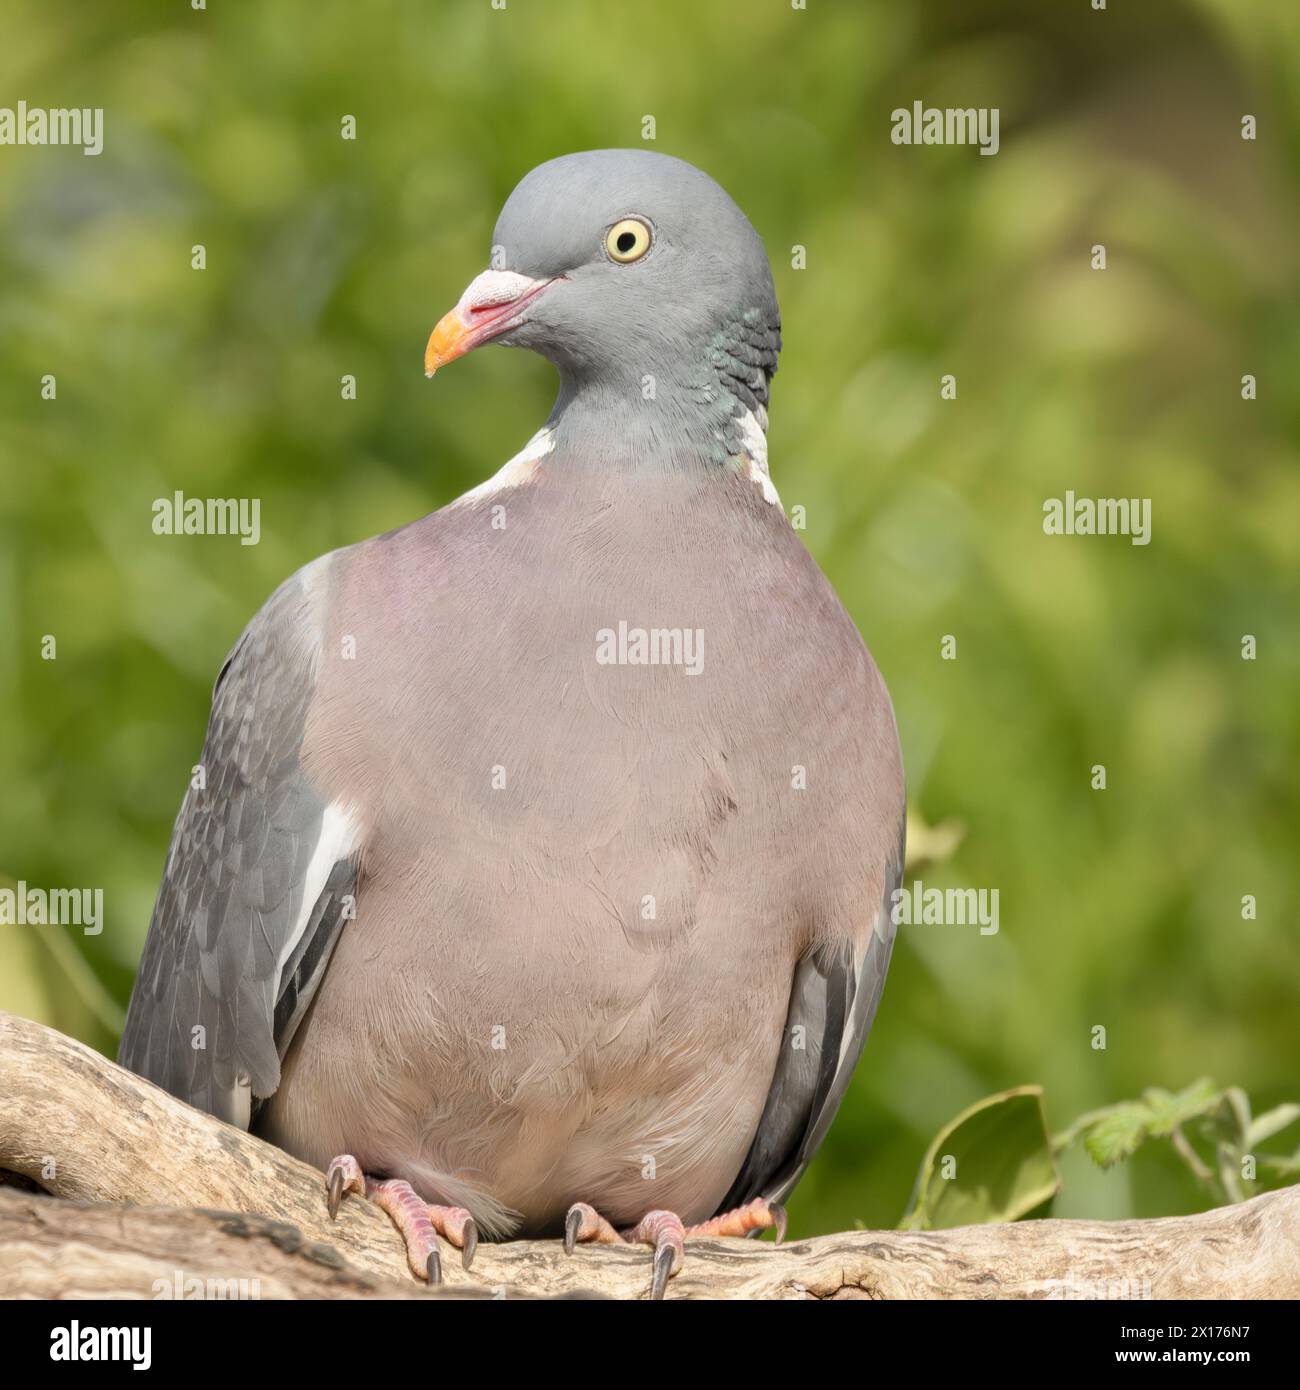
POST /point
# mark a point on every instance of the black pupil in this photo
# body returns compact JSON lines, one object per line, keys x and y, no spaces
{"x":626,"y":241}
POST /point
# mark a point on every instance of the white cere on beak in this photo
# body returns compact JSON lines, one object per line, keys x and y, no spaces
{"x":495,"y":287}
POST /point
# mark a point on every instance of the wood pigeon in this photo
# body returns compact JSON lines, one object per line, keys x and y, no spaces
{"x":541,"y":882}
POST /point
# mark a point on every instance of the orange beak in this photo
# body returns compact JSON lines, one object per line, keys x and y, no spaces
{"x":490,"y":306}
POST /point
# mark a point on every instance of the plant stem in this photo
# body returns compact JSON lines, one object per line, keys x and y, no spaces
{"x":1189,"y":1156}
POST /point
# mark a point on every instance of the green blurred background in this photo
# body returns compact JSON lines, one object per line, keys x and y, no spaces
{"x":325,"y":257}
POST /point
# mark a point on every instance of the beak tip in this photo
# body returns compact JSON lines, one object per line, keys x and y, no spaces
{"x":502,"y":293}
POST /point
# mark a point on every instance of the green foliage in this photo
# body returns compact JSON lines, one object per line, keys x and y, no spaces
{"x":45,"y":977}
{"x":1117,"y":1131}
{"x":1220,"y":1119}
{"x":994,"y":1162}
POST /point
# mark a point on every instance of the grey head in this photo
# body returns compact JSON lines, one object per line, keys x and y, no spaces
{"x":639,"y":277}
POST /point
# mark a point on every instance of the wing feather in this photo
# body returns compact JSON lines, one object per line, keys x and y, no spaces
{"x":833,"y":1000}
{"x":256,"y":881}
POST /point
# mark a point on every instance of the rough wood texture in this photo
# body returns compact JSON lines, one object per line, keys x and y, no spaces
{"x":137,"y":1163}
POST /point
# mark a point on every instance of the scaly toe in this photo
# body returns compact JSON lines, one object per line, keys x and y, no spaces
{"x":411,"y":1215}
{"x":456,"y":1225}
{"x":664,"y":1231}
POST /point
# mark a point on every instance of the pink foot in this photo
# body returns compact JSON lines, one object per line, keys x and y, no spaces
{"x":419,"y":1224}
{"x":664,"y":1232}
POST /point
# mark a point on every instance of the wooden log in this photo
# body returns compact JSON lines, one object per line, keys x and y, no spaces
{"x":162,"y":1198}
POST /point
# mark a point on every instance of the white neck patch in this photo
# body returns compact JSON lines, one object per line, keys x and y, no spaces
{"x":518,"y":470}
{"x":754,"y":441}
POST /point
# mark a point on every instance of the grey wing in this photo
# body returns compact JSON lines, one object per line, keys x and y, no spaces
{"x":833,"y":1000}
{"x":256,"y":886}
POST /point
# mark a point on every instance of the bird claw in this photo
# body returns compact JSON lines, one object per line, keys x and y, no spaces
{"x":663,"y":1269}
{"x":470,"y":1243}
{"x":780,"y":1219}
{"x":572,"y":1225}
{"x":456,"y":1226}
{"x":418,"y":1223}
{"x":344,"y":1175}
{"x":663,"y":1230}
{"x":584,"y":1223}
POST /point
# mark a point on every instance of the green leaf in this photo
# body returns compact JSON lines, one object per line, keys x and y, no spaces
{"x":992,"y":1163}
{"x":1169,"y":1111}
{"x":1270,"y":1123}
{"x":1284,"y":1166}
{"x":1118,"y":1134}
{"x":1119,"y":1131}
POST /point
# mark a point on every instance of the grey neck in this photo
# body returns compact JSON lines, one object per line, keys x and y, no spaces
{"x":704,"y":410}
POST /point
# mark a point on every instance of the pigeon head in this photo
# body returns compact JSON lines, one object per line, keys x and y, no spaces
{"x":636,"y":275}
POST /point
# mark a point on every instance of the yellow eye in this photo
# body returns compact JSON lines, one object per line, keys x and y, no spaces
{"x":627,"y":240}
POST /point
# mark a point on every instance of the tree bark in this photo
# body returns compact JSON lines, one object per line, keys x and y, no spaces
{"x":163,"y":1200}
